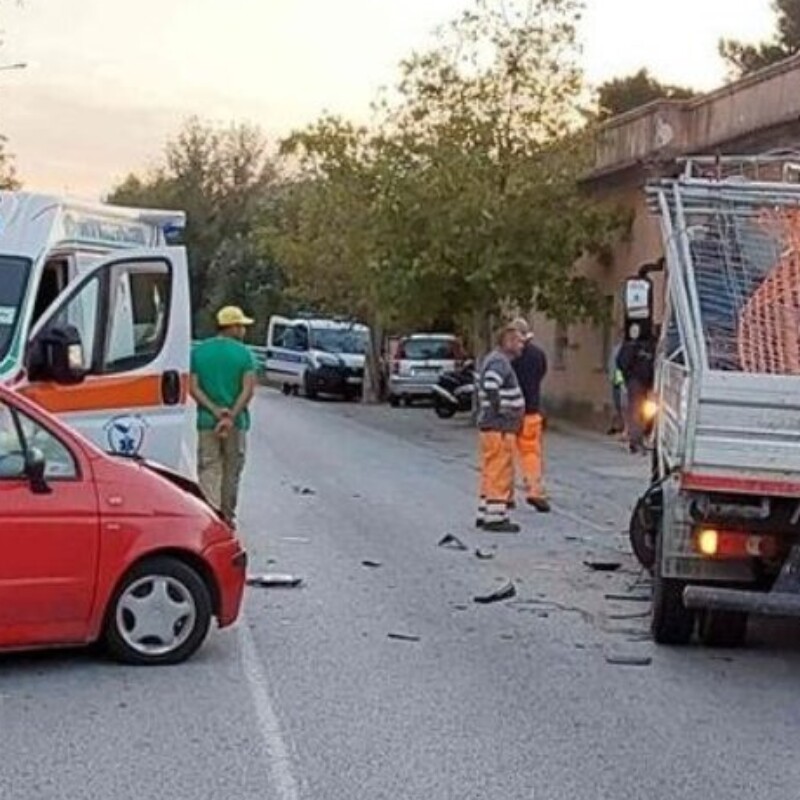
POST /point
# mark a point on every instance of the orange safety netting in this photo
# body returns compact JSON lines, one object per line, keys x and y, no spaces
{"x":769,"y":323}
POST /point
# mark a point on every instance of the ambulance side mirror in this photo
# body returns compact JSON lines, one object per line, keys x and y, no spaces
{"x":57,"y":355}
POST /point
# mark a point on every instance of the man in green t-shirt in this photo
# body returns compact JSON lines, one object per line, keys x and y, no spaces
{"x":223,"y":383}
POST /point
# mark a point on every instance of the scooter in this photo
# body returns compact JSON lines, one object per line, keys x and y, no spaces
{"x":454,"y":391}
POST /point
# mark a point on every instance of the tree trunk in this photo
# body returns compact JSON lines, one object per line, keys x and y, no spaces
{"x":373,"y":374}
{"x":482,"y":334}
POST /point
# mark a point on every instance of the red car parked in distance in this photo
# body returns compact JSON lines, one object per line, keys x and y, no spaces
{"x":95,"y":547}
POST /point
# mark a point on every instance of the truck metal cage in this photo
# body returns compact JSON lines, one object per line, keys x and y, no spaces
{"x":728,"y":372}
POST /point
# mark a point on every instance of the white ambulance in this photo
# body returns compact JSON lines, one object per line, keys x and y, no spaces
{"x":95,"y":322}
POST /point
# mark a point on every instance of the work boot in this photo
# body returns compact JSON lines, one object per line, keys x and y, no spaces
{"x":501,"y":526}
{"x":541,"y":504}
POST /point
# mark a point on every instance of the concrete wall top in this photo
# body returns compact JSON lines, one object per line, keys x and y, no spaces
{"x":665,"y":129}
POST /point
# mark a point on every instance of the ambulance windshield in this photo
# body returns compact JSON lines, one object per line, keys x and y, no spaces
{"x":14,"y":274}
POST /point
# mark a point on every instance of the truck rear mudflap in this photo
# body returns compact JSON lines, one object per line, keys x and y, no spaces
{"x":782,"y":601}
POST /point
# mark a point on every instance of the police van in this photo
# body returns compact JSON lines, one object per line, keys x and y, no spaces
{"x":95,"y":322}
{"x":317,"y":356}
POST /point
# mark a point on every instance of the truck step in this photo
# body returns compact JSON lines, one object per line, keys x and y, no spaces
{"x":767,"y":604}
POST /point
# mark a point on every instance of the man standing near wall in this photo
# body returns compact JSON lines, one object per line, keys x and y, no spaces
{"x":636,"y":362}
{"x":223,"y":383}
{"x":501,"y":409}
{"x":616,"y":381}
{"x":531,"y":369}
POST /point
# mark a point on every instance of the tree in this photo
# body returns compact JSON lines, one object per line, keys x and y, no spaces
{"x":326,"y":230}
{"x":8,"y":172}
{"x":224,"y":181}
{"x":491,"y":119}
{"x":463,"y":200}
{"x":743,"y":58}
{"x":620,"y":95}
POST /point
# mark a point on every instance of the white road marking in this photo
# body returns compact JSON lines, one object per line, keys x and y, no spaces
{"x":279,"y":765}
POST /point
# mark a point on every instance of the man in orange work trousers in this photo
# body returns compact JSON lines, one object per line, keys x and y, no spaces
{"x":531,"y":369}
{"x":501,"y":412}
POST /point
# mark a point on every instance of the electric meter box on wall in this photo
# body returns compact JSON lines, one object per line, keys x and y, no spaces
{"x":637,"y":297}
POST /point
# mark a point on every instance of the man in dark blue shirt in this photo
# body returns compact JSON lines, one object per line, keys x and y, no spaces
{"x":531,"y":369}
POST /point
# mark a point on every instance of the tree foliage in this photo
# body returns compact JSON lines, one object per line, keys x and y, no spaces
{"x":620,"y":95}
{"x":458,"y":202}
{"x":463,"y":199}
{"x":8,"y":172}
{"x":225,"y":182}
{"x":744,"y":58}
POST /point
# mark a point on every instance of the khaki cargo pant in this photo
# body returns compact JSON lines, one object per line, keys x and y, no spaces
{"x":220,"y":465}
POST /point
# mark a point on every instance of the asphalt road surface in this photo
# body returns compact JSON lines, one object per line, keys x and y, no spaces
{"x":310,"y":697}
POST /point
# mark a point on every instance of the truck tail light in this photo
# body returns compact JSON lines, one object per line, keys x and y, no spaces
{"x":708,"y":542}
{"x":713,"y":543}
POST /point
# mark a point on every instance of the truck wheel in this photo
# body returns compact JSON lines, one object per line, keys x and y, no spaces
{"x":723,"y":628}
{"x":642,"y":537}
{"x":671,"y":622}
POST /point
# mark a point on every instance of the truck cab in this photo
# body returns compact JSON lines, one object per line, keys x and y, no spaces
{"x":95,"y":322}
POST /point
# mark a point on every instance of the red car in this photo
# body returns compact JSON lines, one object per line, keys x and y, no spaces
{"x":98,"y":547}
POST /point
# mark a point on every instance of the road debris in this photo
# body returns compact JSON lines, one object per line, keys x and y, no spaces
{"x":304,"y":491}
{"x":638,"y":615}
{"x":630,"y":598}
{"x":603,"y":566}
{"x":296,"y":540}
{"x":371,"y":564}
{"x":624,"y":659}
{"x":504,"y":592}
{"x":274,"y":581}
{"x":404,"y":637}
{"x":539,"y":606}
{"x":452,"y":542}
{"x":485,"y":553}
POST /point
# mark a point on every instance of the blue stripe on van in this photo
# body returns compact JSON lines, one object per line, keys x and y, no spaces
{"x":291,"y":358}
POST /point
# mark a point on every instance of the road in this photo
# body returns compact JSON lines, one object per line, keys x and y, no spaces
{"x":308,"y":698}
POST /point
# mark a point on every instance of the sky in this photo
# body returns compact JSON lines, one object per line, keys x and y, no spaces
{"x":108,"y":81}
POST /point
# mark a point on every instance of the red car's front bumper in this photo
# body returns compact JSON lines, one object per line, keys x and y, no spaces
{"x":228,"y":562}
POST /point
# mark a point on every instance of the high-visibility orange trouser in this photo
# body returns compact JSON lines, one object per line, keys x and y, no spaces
{"x":529,"y":451}
{"x":497,"y":474}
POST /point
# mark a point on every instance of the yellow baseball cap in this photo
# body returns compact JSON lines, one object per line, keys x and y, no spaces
{"x":231,"y":316}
